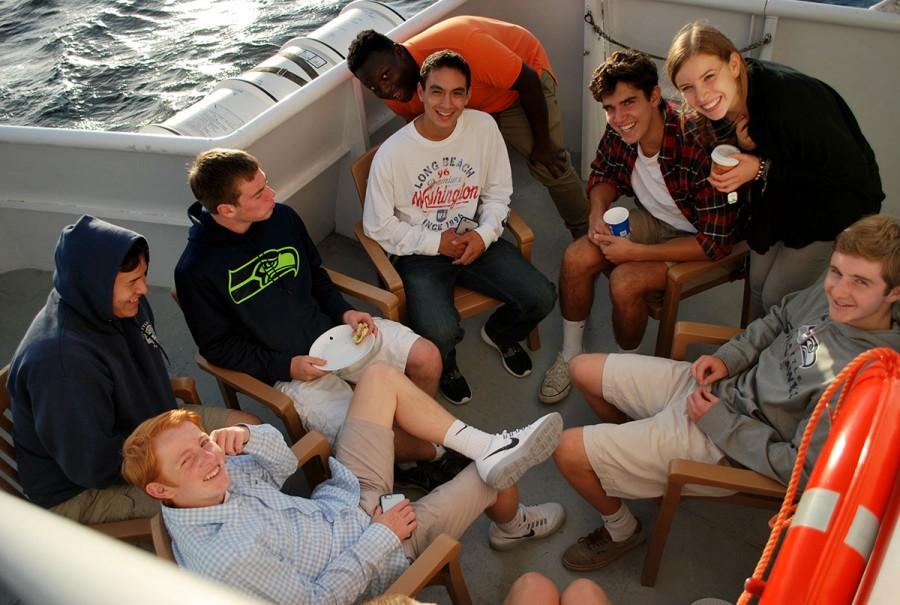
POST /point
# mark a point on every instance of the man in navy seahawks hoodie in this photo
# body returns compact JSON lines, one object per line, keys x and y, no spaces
{"x":255,"y":296}
{"x":87,"y":372}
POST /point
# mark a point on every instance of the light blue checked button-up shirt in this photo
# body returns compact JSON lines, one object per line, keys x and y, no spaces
{"x":287,"y":549}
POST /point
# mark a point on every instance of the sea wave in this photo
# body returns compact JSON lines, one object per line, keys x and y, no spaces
{"x":120,"y":64}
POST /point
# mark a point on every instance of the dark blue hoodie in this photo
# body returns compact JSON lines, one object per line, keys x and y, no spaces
{"x":81,"y":379}
{"x":254,"y":300}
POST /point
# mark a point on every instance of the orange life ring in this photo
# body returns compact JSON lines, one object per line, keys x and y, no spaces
{"x":839,"y":515}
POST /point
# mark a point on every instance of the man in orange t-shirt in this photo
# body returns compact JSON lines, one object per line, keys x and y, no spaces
{"x":511,"y":79}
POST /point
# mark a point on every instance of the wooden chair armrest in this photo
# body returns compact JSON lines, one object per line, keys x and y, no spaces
{"x":689,"y":472}
{"x":129,"y":531}
{"x":257,"y":390}
{"x":388,"y":304}
{"x":162,"y":542}
{"x":378,"y":256}
{"x":690,"y":270}
{"x":312,"y":453}
{"x":312,"y":445}
{"x":521,"y":231}
{"x":438,"y":555}
{"x":691,"y":332}
{"x":185,"y":389}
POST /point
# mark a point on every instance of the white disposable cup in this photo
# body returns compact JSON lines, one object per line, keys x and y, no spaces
{"x":722,"y":160}
{"x":617,"y":219}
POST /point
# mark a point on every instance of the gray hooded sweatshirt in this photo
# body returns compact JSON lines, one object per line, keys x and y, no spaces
{"x":778,"y":369}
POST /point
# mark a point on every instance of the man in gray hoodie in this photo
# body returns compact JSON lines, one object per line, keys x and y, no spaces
{"x":748,"y":404}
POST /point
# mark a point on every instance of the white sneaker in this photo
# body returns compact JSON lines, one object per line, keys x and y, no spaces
{"x":534,"y":522}
{"x":511,"y":454}
{"x":556,"y":384}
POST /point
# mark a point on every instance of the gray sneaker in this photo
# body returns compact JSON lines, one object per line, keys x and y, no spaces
{"x":556,"y":384}
{"x":597,"y":549}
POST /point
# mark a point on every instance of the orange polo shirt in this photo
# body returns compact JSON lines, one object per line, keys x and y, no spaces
{"x":494,"y":50}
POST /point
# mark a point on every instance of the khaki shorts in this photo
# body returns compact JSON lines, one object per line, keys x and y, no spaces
{"x":211,"y":417}
{"x":123,"y":502}
{"x":367,"y":449}
{"x":322,"y":403}
{"x":647,"y":229}
{"x":632,"y":459}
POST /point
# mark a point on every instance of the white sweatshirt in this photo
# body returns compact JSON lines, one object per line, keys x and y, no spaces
{"x":419,"y":188}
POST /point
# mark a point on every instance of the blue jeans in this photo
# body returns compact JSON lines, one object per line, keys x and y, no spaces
{"x":501,"y":272}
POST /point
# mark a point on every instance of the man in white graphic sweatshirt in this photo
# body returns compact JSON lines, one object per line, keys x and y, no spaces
{"x":437,"y":200}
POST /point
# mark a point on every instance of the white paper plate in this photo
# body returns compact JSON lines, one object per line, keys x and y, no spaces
{"x":337,"y":348}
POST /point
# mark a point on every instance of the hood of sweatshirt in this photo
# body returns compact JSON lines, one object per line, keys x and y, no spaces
{"x":88,"y":256}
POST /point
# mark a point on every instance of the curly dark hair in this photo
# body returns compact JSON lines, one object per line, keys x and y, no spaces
{"x":630,"y":66}
{"x":364,"y":44}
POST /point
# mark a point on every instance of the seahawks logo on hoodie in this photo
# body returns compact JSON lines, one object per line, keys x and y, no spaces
{"x":259,"y":273}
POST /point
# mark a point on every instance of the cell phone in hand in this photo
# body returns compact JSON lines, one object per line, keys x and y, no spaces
{"x":465,"y":225}
{"x":389,"y":501}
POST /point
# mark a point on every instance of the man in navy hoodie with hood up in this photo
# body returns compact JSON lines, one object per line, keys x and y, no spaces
{"x":87,"y":372}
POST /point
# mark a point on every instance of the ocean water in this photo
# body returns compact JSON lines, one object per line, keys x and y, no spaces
{"x":120,"y":64}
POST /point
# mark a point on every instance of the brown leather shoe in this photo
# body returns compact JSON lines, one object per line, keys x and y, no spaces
{"x":597,"y":549}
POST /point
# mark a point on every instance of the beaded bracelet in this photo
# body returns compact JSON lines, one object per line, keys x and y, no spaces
{"x":762,"y":173}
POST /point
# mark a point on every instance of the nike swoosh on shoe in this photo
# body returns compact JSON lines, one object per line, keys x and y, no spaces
{"x":512,"y":443}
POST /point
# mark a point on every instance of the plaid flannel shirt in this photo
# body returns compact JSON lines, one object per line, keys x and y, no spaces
{"x":287,"y":549}
{"x":685,"y":166}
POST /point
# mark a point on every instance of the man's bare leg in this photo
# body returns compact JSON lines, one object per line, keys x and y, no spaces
{"x":582,"y":263}
{"x":572,"y":460}
{"x":423,"y":367}
{"x":629,"y":284}
{"x":532,"y":588}
{"x":587,"y":376}
{"x":384,"y":396}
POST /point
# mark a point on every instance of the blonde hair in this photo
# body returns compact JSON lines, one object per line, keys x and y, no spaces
{"x":701,"y":38}
{"x":874,"y":238}
{"x":139,"y":463}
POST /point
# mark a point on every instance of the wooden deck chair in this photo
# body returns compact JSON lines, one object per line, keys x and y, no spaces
{"x":133,"y":530}
{"x":438,"y":565}
{"x":752,"y":488}
{"x":232,"y":382}
{"x":688,"y":278}
{"x":468,"y":302}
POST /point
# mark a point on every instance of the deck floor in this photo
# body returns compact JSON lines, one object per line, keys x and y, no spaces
{"x":712,"y":546}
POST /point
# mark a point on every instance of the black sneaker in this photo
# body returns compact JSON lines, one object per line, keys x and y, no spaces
{"x":452,"y":463}
{"x":453,"y":386}
{"x":513,"y":357}
{"x":424,"y":475}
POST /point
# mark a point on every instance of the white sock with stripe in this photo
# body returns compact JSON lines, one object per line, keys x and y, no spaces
{"x":467,"y":440}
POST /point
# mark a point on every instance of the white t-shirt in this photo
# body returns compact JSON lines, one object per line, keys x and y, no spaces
{"x":418,"y":188}
{"x":650,"y":188}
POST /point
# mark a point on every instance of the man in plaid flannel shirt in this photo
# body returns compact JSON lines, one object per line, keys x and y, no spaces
{"x":229,"y":520}
{"x":646,"y":153}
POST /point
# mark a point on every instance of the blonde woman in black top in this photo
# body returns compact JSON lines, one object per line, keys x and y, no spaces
{"x":810,"y":170}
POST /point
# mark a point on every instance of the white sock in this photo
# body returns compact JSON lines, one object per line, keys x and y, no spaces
{"x":439,"y":452}
{"x":621,"y":524}
{"x":573,"y":339}
{"x":517,"y":520}
{"x":467,"y":440}
{"x":629,"y":351}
